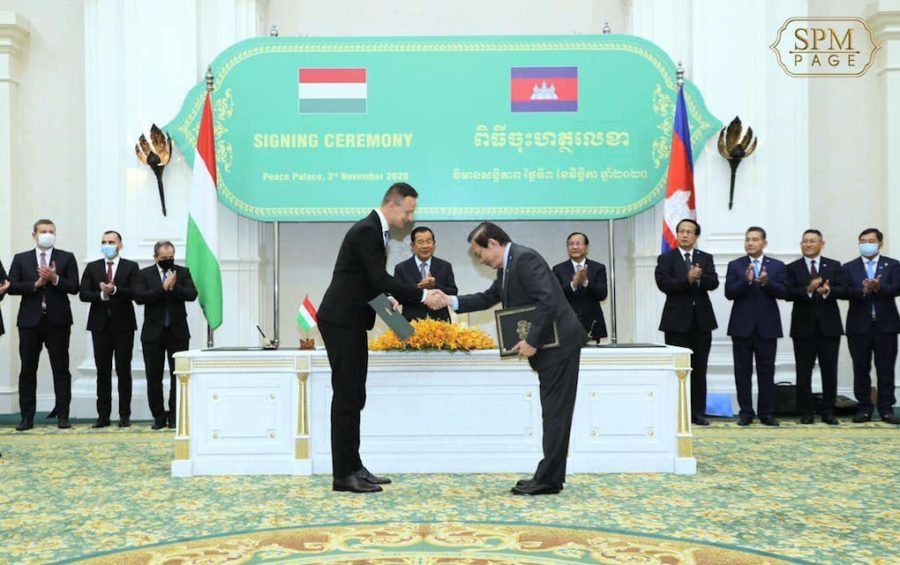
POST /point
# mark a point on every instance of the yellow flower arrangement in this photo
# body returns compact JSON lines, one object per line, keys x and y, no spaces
{"x":437,"y":335}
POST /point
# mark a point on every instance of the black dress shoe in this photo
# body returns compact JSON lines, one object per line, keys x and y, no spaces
{"x":365,"y":475}
{"x":769,"y":421}
{"x":352,"y":483}
{"x":521,"y":482}
{"x":745,"y":421}
{"x":830,"y":420}
{"x":890,"y":419}
{"x":700,"y":421}
{"x":170,"y":421}
{"x":158,"y":423}
{"x":101,"y":423}
{"x":862,"y":417}
{"x":63,"y":423}
{"x":25,"y":424}
{"x":535,"y":488}
{"x":807,"y":419}
{"x":125,"y":422}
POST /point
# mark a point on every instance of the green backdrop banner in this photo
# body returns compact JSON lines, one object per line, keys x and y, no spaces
{"x":316,"y":129}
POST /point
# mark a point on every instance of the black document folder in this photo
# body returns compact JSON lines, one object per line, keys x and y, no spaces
{"x":513,"y":325}
{"x":394,"y":320}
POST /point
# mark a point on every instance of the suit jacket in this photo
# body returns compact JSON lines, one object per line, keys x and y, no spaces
{"x":755,"y":307}
{"x":859,"y":314}
{"x":3,"y":277}
{"x":585,"y":301}
{"x":149,"y":291}
{"x":119,"y":305}
{"x":684,"y":300}
{"x":408,"y":272}
{"x":23,"y":272}
{"x":359,"y":275}
{"x":810,"y":310}
{"x":530,"y":281}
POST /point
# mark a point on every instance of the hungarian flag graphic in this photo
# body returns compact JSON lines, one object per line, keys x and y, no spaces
{"x":544,"y":89}
{"x":332,"y":91}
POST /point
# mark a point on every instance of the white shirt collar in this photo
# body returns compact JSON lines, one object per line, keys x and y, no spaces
{"x":384,"y":224}
{"x":761,"y":258}
{"x":875,"y":258}
{"x":691,"y":251}
{"x":576,"y":263}
{"x":48,"y":252}
{"x":419,"y":261}
{"x":817,"y":259}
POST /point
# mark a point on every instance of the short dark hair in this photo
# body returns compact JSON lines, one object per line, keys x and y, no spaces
{"x":756,"y":228}
{"x":876,"y":231}
{"x":398,"y":191}
{"x":696,"y":225}
{"x":41,"y":222}
{"x":586,"y":240}
{"x":107,"y":232}
{"x":160,"y":244}
{"x":485,"y":231}
{"x":418,"y":230}
{"x":813,"y":231}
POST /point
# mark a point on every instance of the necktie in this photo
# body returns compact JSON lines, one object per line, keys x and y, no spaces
{"x":756,"y":268}
{"x":43,"y":290}
{"x":687,"y":261}
{"x":109,"y":279}
{"x":870,"y":269}
{"x":813,"y":271}
{"x":423,"y":270}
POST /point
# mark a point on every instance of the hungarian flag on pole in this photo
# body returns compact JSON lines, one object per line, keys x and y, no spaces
{"x":680,"y":186}
{"x":202,"y":256}
{"x":306,"y":315}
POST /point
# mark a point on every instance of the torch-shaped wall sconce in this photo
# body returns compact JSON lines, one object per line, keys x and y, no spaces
{"x":734,"y":147}
{"x":156,"y":155}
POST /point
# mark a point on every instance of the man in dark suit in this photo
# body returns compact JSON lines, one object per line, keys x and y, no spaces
{"x":44,"y":277}
{"x":108,"y":285}
{"x":524,"y":279}
{"x":583,"y":282}
{"x":425,"y":270}
{"x":345,"y":316}
{"x":686,"y":275}
{"x":873,"y":281}
{"x":754,"y":282}
{"x":163,"y":289}
{"x":814,"y":285}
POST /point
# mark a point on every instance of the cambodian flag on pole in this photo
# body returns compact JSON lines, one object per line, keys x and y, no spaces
{"x":680,"y":186}
{"x":202,"y":257}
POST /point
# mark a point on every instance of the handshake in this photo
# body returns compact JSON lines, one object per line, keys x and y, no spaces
{"x":435,"y":300}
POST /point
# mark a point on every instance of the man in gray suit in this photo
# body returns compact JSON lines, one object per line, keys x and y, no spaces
{"x":524,"y":279}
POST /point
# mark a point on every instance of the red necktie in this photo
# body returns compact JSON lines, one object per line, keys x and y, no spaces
{"x":44,"y":290}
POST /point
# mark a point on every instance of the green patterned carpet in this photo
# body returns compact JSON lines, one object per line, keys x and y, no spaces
{"x":811,"y":494}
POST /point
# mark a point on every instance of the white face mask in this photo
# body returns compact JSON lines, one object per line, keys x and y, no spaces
{"x":46,"y":240}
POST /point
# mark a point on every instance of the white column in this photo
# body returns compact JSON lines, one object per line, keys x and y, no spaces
{"x":136,"y":75}
{"x":884,"y":19}
{"x":14,"y":34}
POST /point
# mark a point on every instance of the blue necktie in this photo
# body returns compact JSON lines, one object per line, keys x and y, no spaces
{"x":756,"y":268}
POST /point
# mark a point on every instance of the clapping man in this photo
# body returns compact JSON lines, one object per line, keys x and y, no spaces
{"x":425,"y":270}
{"x":754,"y":282}
{"x":108,"y":285}
{"x":583,"y":282}
{"x":44,"y":277}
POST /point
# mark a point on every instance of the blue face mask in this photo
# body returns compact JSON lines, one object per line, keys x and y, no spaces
{"x":868,"y":249}
{"x":109,"y":251}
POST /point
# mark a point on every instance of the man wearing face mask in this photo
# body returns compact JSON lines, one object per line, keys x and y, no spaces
{"x":163,"y":289}
{"x":872,"y":325}
{"x":108,"y":285}
{"x":44,"y":277}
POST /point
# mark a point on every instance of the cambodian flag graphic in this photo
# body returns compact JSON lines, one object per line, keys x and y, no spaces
{"x":544,"y":89}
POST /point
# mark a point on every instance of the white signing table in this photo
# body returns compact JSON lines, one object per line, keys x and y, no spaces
{"x":268,"y":412}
